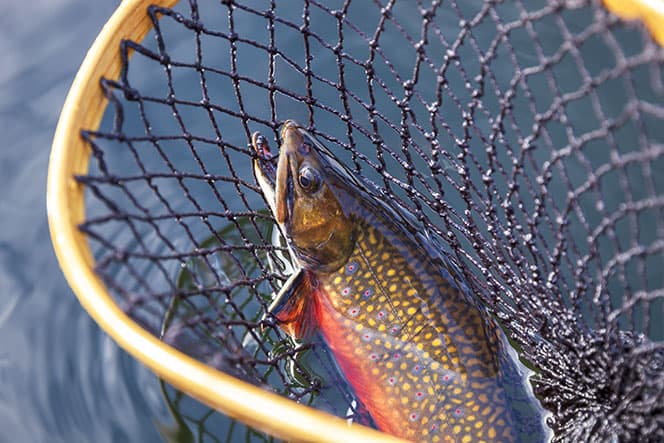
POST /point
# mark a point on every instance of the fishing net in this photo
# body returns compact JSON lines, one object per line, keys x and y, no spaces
{"x":527,"y":138}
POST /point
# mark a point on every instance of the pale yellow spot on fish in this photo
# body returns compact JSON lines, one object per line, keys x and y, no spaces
{"x":385,"y":256}
{"x":337,"y":280}
{"x":391,"y":272}
{"x":491,"y":433}
{"x":436,"y":342}
{"x":411,"y":311}
{"x":466,"y":439}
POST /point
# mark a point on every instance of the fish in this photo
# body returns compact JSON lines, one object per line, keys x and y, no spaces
{"x":423,"y":357}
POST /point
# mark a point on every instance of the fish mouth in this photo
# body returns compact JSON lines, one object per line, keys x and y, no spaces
{"x":265,"y":167}
{"x":277,"y":182}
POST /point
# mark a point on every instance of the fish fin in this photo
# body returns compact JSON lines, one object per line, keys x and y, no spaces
{"x":295,"y":306}
{"x":358,"y":413}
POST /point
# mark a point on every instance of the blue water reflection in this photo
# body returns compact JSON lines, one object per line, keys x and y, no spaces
{"x":61,"y":378}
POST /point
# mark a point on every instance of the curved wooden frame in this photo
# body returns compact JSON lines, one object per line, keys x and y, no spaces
{"x":84,"y":108}
{"x":651,"y":12}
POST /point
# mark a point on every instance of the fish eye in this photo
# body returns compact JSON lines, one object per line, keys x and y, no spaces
{"x":309,"y":179}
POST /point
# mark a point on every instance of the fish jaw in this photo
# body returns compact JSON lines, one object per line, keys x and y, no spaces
{"x":264,"y":169}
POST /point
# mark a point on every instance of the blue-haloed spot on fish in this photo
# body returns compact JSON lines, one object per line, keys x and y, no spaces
{"x":391,"y":381}
{"x":395,"y":330}
{"x":380,"y":315}
{"x":366,"y":336}
{"x":413,"y":416}
{"x":419,"y":395}
{"x":345,"y":291}
{"x":458,"y":412}
{"x":396,"y":356}
{"x":352,"y":267}
{"x":417,"y":369}
{"x":354,"y":311}
{"x":373,"y":357}
{"x":367,"y":293}
{"x":448,"y":377}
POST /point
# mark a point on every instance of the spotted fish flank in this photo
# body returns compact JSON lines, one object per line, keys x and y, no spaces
{"x":426,"y":362}
{"x":431,"y":377}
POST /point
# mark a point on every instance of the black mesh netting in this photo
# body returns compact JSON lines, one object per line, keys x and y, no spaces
{"x":527,"y":136}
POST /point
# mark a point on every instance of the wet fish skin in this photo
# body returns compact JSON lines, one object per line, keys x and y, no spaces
{"x":423,"y":358}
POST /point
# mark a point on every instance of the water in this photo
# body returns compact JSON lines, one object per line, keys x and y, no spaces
{"x":61,"y":378}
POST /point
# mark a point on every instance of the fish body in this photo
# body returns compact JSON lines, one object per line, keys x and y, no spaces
{"x":422,"y":356}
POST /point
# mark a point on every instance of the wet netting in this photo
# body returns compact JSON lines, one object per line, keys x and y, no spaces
{"x":527,"y":137}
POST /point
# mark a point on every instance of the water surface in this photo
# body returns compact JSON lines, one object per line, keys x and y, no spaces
{"x":61,"y":378}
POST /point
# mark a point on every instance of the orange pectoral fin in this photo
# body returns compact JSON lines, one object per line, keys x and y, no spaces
{"x":295,"y":307}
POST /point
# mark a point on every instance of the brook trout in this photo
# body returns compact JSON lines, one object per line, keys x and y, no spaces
{"x":422,"y":356}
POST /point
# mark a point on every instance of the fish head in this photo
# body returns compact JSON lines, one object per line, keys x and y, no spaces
{"x":310,"y":197}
